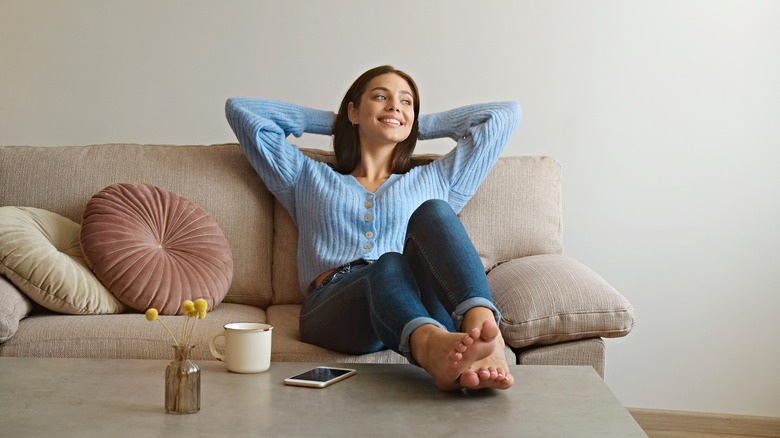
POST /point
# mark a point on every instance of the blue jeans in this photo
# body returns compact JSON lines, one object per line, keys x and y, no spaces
{"x":363,"y":308}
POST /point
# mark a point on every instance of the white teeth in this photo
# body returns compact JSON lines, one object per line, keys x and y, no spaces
{"x":392,"y":121}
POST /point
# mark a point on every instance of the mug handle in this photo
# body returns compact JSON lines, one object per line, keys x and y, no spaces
{"x":213,"y":349}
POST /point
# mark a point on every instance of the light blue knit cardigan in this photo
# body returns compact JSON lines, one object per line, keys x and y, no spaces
{"x":339,"y":221}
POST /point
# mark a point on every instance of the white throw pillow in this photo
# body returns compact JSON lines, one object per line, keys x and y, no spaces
{"x":40,"y":253}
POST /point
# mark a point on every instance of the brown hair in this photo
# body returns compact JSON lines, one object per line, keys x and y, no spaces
{"x":346,"y":142}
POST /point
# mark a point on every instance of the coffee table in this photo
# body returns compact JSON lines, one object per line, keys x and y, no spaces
{"x":113,"y":398}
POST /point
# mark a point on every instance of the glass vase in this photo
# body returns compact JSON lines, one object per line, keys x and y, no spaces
{"x":182,"y":382}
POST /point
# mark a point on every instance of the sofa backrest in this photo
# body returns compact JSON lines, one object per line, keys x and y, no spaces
{"x":218,"y":178}
{"x":515,"y":213}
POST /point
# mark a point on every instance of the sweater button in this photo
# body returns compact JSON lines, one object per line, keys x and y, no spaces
{"x":367,"y":246}
{"x":369,"y":234}
{"x":368,"y":218}
{"x":370,"y":198}
{"x":369,"y":204}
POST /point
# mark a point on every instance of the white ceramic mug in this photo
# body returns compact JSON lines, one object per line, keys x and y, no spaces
{"x":247,"y":347}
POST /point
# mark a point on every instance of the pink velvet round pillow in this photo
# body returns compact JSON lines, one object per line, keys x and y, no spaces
{"x":154,"y":248}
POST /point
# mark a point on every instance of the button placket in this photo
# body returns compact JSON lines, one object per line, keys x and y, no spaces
{"x":368,"y":218}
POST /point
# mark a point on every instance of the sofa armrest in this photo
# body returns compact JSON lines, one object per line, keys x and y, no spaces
{"x":548,"y":299}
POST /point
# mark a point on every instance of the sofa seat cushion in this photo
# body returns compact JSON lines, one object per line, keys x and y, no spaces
{"x":40,"y":254}
{"x":14,"y":306}
{"x":125,"y":336}
{"x":153,"y":248}
{"x":549,"y":299}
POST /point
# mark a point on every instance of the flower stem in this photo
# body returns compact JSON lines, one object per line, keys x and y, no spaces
{"x":169,"y":332}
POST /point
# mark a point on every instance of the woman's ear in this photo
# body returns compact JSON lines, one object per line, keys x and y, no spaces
{"x":353,"y":113}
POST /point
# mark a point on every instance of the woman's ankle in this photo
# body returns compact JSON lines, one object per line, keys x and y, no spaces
{"x":418,"y":340}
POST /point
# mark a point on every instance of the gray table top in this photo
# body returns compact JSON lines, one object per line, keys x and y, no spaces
{"x":91,"y":397}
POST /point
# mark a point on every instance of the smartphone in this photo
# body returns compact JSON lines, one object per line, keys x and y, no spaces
{"x":319,"y":377}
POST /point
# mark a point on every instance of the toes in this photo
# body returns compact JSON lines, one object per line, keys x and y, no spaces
{"x":489,"y":330}
{"x":469,"y":379}
{"x":464,"y":344}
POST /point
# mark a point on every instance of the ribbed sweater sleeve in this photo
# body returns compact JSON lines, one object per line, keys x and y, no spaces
{"x":481,"y":131}
{"x":262,"y":127}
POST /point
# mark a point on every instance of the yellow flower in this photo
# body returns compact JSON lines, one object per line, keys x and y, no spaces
{"x":201,"y":305}
{"x":196,"y":310}
{"x":151,"y":314}
{"x":187,"y":306}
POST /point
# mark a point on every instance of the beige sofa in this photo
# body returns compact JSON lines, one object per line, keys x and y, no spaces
{"x":555,"y":310}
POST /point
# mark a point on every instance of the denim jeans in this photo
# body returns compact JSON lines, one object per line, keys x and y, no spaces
{"x":363,"y":308}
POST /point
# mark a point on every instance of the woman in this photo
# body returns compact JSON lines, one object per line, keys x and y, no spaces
{"x":383,"y":261}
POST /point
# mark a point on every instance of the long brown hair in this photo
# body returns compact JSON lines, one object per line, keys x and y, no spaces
{"x":346,"y":141}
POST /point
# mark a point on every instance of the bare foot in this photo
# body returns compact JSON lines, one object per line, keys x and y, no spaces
{"x":491,"y":371}
{"x":445,"y":356}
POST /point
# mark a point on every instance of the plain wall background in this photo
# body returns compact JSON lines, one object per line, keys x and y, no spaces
{"x":665,"y":116}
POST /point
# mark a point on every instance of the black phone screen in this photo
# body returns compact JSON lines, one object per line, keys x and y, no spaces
{"x":320,"y":374}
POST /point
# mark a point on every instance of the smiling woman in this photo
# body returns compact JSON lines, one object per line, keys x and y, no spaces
{"x":383,"y":92}
{"x":384,"y":117}
{"x":383,"y":260}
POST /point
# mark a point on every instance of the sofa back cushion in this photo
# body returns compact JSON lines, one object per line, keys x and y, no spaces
{"x":217,"y":178}
{"x":515,"y":213}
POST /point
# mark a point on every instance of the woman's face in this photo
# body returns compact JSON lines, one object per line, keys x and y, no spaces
{"x":385,"y":114}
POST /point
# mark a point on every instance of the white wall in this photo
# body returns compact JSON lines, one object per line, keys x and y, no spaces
{"x":665,"y":116}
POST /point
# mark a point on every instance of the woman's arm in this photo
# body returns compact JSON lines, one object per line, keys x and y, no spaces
{"x":262,"y":127}
{"x":481,"y":132}
{"x":491,"y":118}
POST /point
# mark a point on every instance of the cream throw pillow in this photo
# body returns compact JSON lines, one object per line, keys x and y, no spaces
{"x":40,"y":254}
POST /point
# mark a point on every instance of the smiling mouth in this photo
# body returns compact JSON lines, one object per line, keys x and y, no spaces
{"x":391,"y":121}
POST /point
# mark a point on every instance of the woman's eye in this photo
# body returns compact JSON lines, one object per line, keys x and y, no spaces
{"x":406,"y":102}
{"x":380,"y":97}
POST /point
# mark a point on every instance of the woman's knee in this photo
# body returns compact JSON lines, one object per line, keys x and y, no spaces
{"x":432,"y":211}
{"x":434,"y":206}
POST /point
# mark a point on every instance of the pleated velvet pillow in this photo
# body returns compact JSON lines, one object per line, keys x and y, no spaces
{"x":153,"y":248}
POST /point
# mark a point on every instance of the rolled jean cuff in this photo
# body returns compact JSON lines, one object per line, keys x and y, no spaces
{"x":460,"y":311}
{"x":405,"y":348}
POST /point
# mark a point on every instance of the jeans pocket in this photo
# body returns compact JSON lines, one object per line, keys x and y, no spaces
{"x":329,"y":279}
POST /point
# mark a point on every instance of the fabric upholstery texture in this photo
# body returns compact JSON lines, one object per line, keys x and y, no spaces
{"x":40,"y":254}
{"x":577,"y":353}
{"x":523,"y":195}
{"x":552,"y":298}
{"x":153,"y":248}
{"x":124,"y":336}
{"x":14,"y":306}
{"x":218,"y":178}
